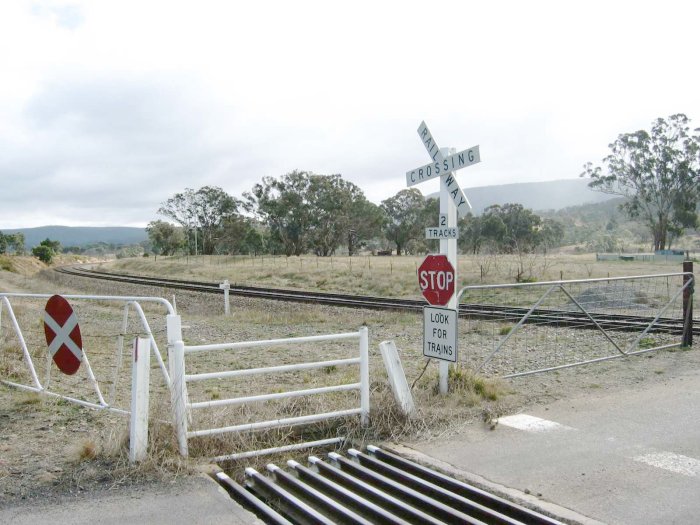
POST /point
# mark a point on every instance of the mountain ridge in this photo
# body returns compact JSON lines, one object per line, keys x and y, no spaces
{"x":80,"y":235}
{"x":537,"y":196}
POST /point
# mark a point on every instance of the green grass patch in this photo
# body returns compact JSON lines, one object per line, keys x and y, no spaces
{"x":464,"y":380}
{"x":504,"y":330}
{"x":647,"y":342}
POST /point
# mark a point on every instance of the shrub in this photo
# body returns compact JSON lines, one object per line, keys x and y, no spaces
{"x":43,"y":253}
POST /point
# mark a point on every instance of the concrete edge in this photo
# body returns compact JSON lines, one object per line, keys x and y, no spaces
{"x":527,"y":500}
{"x":206,"y":471}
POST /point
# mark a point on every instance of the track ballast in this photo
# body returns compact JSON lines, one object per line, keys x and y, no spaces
{"x":571,"y":319}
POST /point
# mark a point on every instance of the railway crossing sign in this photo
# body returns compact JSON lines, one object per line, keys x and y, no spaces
{"x":452,"y":162}
{"x":63,"y":335}
{"x":440,"y":333}
{"x":443,"y":166}
{"x":436,"y":278}
{"x":438,"y":283}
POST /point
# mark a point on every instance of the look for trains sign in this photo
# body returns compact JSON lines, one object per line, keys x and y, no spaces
{"x":436,"y":278}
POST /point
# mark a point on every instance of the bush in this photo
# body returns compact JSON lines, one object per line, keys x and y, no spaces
{"x":43,"y":253}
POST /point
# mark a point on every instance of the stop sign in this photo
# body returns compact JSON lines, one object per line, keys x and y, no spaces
{"x":436,"y":278}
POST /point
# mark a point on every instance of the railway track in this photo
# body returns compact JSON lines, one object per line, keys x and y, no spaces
{"x":569,"y":318}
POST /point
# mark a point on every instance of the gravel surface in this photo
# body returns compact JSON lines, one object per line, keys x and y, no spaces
{"x":52,"y":449}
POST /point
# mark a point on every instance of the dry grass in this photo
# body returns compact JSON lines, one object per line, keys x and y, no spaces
{"x":472,"y":398}
{"x":85,"y":449}
{"x":381,"y":276}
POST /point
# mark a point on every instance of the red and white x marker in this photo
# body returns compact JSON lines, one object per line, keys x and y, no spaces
{"x":63,"y":335}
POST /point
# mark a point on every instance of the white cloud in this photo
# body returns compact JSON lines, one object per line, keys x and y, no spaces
{"x":111,"y":107}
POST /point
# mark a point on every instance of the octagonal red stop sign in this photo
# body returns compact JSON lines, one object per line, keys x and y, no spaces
{"x":436,"y":278}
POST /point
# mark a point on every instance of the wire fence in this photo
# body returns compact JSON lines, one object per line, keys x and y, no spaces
{"x":533,"y":327}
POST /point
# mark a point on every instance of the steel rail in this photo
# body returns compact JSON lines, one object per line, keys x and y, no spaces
{"x":569,"y":318}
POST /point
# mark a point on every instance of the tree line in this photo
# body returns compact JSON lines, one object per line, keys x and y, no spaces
{"x":12,"y":243}
{"x":657,"y":172}
{"x":15,"y":244}
{"x":303,"y":212}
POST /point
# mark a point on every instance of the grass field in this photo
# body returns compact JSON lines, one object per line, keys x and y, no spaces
{"x":380,"y":276}
{"x":473,"y":397}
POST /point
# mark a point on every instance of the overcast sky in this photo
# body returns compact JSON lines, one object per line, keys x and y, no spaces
{"x":108,"y":108}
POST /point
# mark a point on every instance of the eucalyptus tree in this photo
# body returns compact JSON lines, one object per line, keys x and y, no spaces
{"x":511,"y":227}
{"x":202,"y":214}
{"x":165,"y":238}
{"x":405,"y":217}
{"x":658,"y":172}
{"x":282,"y":204}
{"x":305,"y":212}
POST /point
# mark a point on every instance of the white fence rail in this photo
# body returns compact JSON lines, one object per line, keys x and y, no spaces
{"x":21,"y":362}
{"x":182,"y":408}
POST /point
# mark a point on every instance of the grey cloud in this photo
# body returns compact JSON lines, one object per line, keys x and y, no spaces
{"x":111,"y":145}
{"x":68,"y":16}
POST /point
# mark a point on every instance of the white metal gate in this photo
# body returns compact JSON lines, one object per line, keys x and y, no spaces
{"x":559,"y":324}
{"x":181,"y":378}
{"x":87,"y":387}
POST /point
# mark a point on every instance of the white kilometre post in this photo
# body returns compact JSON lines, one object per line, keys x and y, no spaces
{"x":448,"y":247}
{"x":226,"y":286}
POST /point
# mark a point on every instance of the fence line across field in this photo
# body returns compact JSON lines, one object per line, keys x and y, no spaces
{"x":599,"y":303}
{"x":534,"y":340}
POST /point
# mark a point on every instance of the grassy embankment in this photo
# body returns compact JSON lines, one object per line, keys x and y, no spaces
{"x":380,"y":276}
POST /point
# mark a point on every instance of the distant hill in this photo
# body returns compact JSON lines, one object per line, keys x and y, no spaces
{"x":81,"y":235}
{"x":537,"y":196}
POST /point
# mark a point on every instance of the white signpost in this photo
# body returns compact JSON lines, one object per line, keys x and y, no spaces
{"x":453,"y":201}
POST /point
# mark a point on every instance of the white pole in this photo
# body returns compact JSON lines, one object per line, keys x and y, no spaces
{"x":448,"y":247}
{"x":364,"y":376}
{"x":397,"y":378}
{"x":179,"y":396}
{"x":140,"y":376}
{"x":226,"y":286}
{"x":178,"y":388}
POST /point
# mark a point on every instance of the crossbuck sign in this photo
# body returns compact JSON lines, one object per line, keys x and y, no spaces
{"x":442,"y":165}
{"x":440,"y":324}
{"x":63,"y":335}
